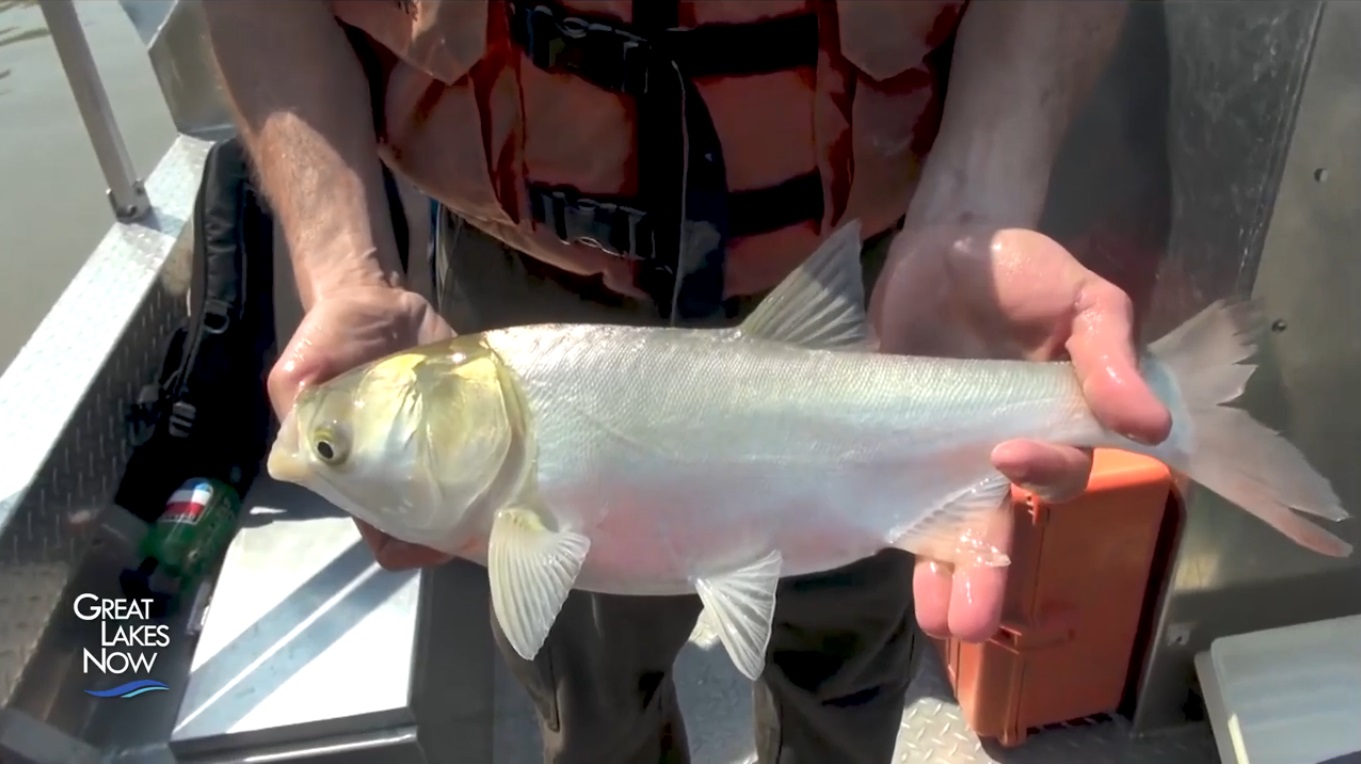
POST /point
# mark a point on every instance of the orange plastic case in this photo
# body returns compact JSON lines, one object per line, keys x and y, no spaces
{"x":1075,"y":595}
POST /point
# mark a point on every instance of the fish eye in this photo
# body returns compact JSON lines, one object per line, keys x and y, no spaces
{"x":328,"y":447}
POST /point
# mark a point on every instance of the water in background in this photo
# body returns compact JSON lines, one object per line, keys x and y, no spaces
{"x":53,"y":211}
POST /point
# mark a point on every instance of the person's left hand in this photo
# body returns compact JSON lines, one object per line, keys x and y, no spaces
{"x":982,"y":292}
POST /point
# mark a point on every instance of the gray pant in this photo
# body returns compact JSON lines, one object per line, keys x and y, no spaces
{"x":844,"y":643}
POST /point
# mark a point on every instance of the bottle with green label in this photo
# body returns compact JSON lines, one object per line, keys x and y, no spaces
{"x":195,"y":528}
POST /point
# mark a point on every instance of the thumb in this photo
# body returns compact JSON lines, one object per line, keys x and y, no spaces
{"x":910,"y":305}
{"x":897,"y":303}
{"x":1103,"y":355}
{"x":291,"y":373}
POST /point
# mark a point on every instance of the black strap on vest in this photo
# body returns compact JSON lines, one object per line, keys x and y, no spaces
{"x":679,"y":225}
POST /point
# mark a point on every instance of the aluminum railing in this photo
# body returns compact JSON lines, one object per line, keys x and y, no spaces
{"x":127,"y":195}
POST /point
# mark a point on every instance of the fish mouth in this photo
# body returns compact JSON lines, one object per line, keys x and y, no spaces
{"x":284,"y":462}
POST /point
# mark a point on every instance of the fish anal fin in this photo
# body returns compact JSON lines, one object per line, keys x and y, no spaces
{"x":742,"y":605}
{"x":960,"y":532}
{"x":532,"y":569}
{"x":821,"y":304}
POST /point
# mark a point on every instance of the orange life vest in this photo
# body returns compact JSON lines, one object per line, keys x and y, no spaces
{"x":585,"y":132}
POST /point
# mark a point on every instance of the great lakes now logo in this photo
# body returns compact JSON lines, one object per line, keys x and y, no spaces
{"x":128,"y":644}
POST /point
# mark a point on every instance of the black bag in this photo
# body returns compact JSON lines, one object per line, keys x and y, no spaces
{"x":209,"y":414}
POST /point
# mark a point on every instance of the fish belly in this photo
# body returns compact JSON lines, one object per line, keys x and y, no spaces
{"x":686,"y":453}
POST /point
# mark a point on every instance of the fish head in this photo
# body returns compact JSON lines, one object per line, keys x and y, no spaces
{"x":409,"y":444}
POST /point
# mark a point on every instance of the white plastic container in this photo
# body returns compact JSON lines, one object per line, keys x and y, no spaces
{"x":1289,"y":695}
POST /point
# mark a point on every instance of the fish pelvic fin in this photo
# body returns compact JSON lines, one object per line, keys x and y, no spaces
{"x":959,"y":531}
{"x":742,"y":604}
{"x":822,"y":303}
{"x":531,"y":569}
{"x":1198,"y":368}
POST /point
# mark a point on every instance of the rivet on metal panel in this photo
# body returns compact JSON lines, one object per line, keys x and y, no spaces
{"x":1179,"y":634}
{"x":1320,"y":175}
{"x":1278,"y":325}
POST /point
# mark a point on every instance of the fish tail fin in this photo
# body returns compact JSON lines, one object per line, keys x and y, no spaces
{"x":1223,"y":447}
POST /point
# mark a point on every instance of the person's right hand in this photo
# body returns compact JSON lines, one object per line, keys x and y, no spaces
{"x":347,"y":327}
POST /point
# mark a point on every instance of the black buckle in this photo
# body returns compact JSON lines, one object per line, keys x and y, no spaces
{"x":180,"y":421}
{"x":605,"y":55}
{"x":217,"y":316}
{"x":614,"y":228}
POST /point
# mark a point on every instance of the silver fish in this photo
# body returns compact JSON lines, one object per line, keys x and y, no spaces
{"x":661,"y":461}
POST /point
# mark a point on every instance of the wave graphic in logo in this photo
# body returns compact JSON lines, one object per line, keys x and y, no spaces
{"x":130,"y":689}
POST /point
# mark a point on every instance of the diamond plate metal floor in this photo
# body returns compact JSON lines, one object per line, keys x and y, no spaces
{"x":717,"y":705}
{"x":934,"y":732}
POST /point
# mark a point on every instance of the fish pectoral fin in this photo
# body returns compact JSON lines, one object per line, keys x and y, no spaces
{"x":959,"y":531}
{"x":742,"y":603}
{"x":531,"y":570}
{"x":822,"y":303}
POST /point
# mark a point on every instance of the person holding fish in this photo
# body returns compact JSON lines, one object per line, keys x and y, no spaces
{"x":654,"y":175}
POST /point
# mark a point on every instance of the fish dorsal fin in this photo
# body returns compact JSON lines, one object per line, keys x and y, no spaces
{"x":822,"y":303}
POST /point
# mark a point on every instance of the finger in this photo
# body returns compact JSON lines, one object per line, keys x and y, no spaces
{"x":434,"y":328}
{"x":976,"y":602}
{"x":1102,"y":350}
{"x":931,"y":587}
{"x":978,"y":591}
{"x":375,"y":539}
{"x":397,"y":556}
{"x":1055,"y":473}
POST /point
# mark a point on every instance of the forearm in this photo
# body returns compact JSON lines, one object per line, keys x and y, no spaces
{"x":1022,"y":69}
{"x":301,"y":105}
